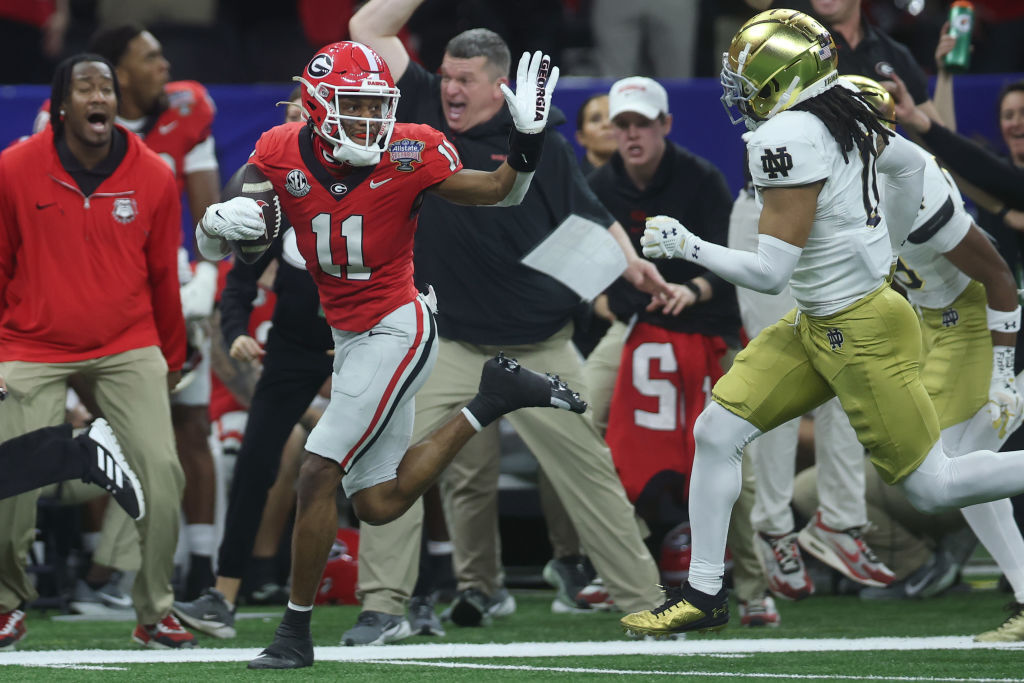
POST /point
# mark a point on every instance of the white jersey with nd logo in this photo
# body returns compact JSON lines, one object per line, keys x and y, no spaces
{"x":847,"y":254}
{"x":930,"y":279}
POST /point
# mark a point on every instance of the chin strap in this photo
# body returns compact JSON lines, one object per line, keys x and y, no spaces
{"x":345,"y":155}
{"x":355,"y":157}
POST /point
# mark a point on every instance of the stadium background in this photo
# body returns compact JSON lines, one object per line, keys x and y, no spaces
{"x":699,"y":123}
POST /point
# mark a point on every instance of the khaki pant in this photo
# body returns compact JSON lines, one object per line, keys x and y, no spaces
{"x":131,"y":389}
{"x":572,"y":455}
{"x":599,"y":373}
{"x":118,"y":545}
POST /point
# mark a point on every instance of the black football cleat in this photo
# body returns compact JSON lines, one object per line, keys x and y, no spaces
{"x":521,"y":387}
{"x":106,"y":467}
{"x":524,"y":388}
{"x":286,"y":652}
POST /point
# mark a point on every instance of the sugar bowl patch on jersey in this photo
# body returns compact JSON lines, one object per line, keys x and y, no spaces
{"x":405,"y":152}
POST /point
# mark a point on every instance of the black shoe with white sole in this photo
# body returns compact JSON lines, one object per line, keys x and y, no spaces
{"x":288,"y":651}
{"x":505,"y":386}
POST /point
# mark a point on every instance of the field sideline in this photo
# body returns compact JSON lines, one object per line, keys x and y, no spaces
{"x":681,"y":648}
{"x":665,"y":658}
{"x":825,"y":638}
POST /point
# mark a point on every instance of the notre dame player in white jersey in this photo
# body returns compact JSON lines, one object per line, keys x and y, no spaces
{"x":818,"y":157}
{"x":966,"y":297}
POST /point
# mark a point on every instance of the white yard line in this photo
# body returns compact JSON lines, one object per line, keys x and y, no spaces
{"x":705,"y":674}
{"x":513,"y":650}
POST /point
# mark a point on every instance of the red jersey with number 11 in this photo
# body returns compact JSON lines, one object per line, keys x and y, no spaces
{"x":356,"y":231}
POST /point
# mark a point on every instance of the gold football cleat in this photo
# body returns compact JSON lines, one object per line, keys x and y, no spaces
{"x":680,"y":612}
{"x":1012,"y":630}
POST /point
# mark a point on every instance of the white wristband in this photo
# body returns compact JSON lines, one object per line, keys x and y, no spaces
{"x":1003,"y":321}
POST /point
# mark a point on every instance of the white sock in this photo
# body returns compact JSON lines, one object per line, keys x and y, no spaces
{"x":992,"y":523}
{"x":995,"y":527}
{"x":472,"y":419}
{"x":201,"y":539}
{"x":714,"y":487}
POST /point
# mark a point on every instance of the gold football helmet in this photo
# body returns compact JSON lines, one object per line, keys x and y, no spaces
{"x":878,"y":97}
{"x":778,"y":58}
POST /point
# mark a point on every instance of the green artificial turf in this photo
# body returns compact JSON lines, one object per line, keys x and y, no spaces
{"x":959,"y":613}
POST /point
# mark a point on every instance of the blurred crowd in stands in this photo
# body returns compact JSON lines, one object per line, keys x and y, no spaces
{"x":248,"y":41}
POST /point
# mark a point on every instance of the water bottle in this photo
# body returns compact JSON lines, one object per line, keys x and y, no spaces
{"x":961,"y":21}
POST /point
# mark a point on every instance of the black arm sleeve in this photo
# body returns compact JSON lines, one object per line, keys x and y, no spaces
{"x":977,"y":165}
{"x":239,"y":292}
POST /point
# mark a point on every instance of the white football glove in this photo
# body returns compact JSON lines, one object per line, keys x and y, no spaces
{"x":197,"y":294}
{"x":1005,"y":404}
{"x":665,"y":237}
{"x":535,"y":82}
{"x":239,"y":218}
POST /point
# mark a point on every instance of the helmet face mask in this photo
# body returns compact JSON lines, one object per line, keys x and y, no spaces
{"x":737,"y":90}
{"x":777,"y":59}
{"x":351,"y":100}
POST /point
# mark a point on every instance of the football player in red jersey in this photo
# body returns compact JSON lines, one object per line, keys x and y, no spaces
{"x":350,"y":182}
{"x":174,"y":118}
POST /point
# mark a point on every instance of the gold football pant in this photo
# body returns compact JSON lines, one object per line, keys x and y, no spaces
{"x":868,"y":355}
{"x":957,"y":364}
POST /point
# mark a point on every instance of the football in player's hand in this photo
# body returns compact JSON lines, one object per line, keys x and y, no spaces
{"x":249,"y":181}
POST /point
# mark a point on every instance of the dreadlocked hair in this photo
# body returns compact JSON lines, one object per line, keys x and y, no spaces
{"x":849,"y":118}
{"x":61,"y":86}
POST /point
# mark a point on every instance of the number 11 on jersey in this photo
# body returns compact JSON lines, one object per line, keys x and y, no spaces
{"x":353,"y":267}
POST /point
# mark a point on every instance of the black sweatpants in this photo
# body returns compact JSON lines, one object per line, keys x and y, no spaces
{"x":292,"y":375}
{"x":44,"y":456}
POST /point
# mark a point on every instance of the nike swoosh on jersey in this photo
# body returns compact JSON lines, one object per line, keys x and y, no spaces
{"x":44,"y":206}
{"x":167,"y":127}
{"x":374,"y":185}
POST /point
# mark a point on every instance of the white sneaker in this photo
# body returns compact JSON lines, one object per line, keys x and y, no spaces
{"x":501,"y":604}
{"x":783,"y":566}
{"x":760,"y":612}
{"x":377,"y":628}
{"x":846,"y":552}
{"x":107,"y":600}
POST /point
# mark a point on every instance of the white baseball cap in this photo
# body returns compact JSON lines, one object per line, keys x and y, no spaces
{"x":639,"y":94}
